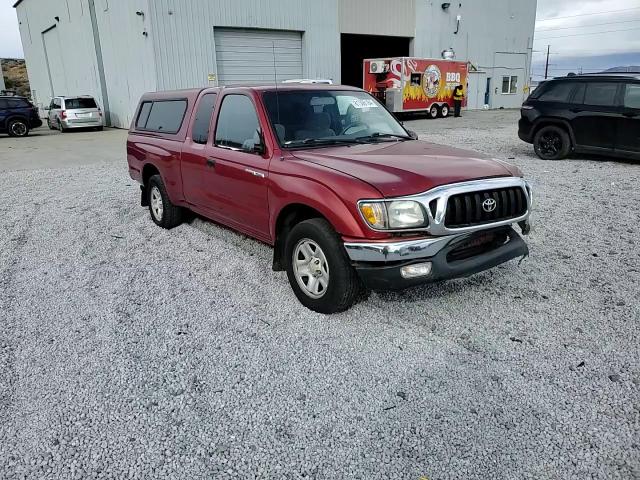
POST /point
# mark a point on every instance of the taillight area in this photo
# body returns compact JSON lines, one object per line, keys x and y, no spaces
{"x":63,"y":114}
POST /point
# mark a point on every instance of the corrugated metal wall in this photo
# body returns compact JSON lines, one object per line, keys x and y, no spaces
{"x":127,"y":53}
{"x":184,"y":40}
{"x":486,"y":29}
{"x":378,"y":17}
{"x":72,"y":29}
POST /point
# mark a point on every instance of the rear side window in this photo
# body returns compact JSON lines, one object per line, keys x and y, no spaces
{"x":557,"y":92}
{"x":600,"y":94}
{"x":201,"y":124}
{"x":237,"y":123}
{"x":163,"y":116}
{"x":14,"y":103}
{"x":632,"y":96}
{"x":143,"y":116}
{"x":73,"y":103}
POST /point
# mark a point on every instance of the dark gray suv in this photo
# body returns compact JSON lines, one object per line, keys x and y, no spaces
{"x":597,"y":114}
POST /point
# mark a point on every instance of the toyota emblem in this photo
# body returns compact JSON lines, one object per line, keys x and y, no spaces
{"x":489,"y":205}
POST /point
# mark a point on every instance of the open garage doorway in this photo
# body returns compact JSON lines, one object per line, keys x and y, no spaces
{"x":355,"y":48}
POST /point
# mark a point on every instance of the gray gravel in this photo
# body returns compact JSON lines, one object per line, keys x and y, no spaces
{"x":127,"y":351}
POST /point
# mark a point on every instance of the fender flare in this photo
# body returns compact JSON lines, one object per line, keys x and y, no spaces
{"x":545,"y":121}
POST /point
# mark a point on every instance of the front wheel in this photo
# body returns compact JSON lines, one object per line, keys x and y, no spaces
{"x":18,"y":128}
{"x":552,"y":143}
{"x":318,"y":268}
{"x":434,"y":111}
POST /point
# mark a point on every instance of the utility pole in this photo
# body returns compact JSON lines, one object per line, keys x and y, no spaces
{"x":546,"y":68}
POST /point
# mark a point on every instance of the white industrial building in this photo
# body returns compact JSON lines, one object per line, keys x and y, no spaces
{"x":117,"y":49}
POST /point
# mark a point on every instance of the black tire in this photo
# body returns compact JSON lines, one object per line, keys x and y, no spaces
{"x":552,"y":143}
{"x":169,"y":215}
{"x":18,"y":128}
{"x":444,"y":110}
{"x":60,"y":127}
{"x":51,"y":127}
{"x":434,"y":111}
{"x":343,"y":285}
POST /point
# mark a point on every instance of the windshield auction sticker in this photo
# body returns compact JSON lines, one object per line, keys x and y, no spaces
{"x":363,"y":103}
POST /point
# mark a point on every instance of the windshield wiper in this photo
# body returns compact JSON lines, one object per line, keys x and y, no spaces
{"x":377,"y":135}
{"x":320,"y":141}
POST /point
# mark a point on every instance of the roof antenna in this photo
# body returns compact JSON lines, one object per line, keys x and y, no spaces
{"x":275,"y":78}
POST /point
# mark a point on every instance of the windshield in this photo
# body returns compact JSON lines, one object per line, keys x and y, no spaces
{"x":307,"y":117}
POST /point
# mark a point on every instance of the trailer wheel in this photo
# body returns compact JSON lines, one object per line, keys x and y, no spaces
{"x":434,"y":111}
{"x":444,"y":110}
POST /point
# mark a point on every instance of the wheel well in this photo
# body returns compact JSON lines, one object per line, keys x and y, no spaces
{"x":148,"y":171}
{"x":288,"y":217}
{"x":550,"y":123}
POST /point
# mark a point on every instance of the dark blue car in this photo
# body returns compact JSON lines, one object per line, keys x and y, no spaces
{"x":17,"y":116}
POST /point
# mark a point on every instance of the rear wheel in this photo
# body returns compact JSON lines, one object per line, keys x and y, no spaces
{"x":552,"y":143}
{"x":444,"y":111}
{"x":60,"y":127}
{"x":164,"y":213}
{"x":18,"y":128}
{"x":51,"y":127}
{"x":318,"y":268}
{"x":434,"y":111}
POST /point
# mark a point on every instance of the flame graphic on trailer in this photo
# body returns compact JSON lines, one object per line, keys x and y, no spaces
{"x":421,"y":81}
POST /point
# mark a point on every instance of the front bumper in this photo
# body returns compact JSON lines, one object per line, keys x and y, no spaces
{"x":379,"y":264}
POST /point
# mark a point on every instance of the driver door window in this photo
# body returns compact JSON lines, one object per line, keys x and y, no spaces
{"x":237,"y":126}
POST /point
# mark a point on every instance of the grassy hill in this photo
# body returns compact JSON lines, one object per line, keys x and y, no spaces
{"x":15,"y":76}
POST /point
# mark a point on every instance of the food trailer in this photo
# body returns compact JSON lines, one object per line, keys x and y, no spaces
{"x":408,"y":84}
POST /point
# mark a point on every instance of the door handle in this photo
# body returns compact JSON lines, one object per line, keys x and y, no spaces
{"x":211,"y":162}
{"x":254,"y":173}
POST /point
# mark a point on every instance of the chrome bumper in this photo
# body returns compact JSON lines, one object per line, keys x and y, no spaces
{"x":409,"y":249}
{"x":397,"y":251}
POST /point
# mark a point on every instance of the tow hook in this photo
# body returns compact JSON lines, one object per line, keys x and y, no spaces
{"x":525,"y":226}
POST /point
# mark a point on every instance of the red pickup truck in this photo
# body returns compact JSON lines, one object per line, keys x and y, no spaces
{"x":347,"y":197}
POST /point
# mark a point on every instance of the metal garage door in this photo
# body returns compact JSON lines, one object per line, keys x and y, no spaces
{"x":246,"y":55}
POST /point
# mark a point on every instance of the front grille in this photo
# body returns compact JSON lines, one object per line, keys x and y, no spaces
{"x":466,"y":209}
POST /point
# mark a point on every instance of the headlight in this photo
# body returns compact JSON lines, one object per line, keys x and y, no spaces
{"x":393,"y":215}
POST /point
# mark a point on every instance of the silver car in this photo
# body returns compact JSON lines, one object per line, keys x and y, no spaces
{"x":65,"y":113}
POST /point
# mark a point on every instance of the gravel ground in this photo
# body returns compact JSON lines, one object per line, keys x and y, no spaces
{"x":127,"y":351}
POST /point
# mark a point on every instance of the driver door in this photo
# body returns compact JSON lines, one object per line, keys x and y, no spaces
{"x":237,"y":176}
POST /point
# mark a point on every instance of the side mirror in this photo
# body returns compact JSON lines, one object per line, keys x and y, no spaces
{"x":412,"y":134}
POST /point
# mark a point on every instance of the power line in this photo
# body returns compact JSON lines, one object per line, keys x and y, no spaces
{"x":590,"y":33}
{"x":588,"y":14}
{"x":585,"y":26}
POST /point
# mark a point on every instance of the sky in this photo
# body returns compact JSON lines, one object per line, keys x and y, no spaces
{"x":584,"y":34}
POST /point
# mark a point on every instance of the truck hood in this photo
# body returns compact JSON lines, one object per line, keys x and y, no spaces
{"x":406,"y":168}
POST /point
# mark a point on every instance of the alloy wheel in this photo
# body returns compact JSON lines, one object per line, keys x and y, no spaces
{"x":310,"y":268}
{"x":550,"y":144}
{"x":19,"y":129}
{"x":157,"y":207}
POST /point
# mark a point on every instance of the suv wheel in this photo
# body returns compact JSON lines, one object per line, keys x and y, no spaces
{"x":60,"y":127}
{"x":51,"y":127}
{"x":18,"y":128}
{"x":444,"y":111}
{"x":164,"y":213}
{"x":434,"y":111}
{"x":552,"y":143}
{"x":318,"y":268}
